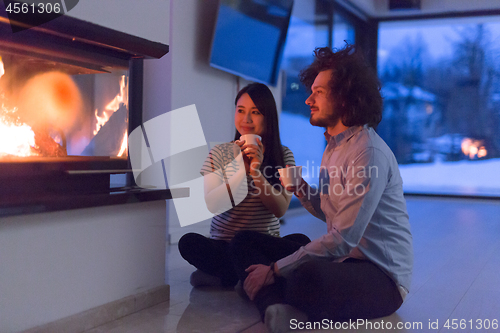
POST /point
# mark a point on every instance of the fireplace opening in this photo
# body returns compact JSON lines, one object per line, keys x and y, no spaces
{"x":53,"y":110}
{"x":63,"y":127}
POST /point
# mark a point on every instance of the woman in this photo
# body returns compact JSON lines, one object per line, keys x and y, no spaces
{"x":260,"y":207}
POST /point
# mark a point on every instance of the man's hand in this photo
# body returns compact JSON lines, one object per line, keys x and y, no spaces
{"x":258,"y":277}
{"x":299,"y":191}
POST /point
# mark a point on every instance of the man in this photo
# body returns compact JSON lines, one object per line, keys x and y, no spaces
{"x":361,"y":268}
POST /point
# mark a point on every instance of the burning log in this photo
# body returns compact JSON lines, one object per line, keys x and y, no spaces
{"x":107,"y":142}
{"x":46,"y":146}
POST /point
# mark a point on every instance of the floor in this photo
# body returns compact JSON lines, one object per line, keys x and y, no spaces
{"x":456,"y":276}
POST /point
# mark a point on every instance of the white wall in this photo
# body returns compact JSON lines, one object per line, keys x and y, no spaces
{"x":193,"y":81}
{"x":148,"y":19}
{"x":61,"y":263}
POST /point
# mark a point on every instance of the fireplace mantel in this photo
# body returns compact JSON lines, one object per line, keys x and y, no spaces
{"x":53,"y":202}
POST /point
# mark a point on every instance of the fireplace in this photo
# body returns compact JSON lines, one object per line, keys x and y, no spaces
{"x":70,"y":92}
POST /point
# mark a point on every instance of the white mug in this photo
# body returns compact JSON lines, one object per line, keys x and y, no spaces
{"x":251,"y":139}
{"x":291,"y":176}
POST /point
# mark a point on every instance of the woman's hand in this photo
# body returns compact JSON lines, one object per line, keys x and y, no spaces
{"x":246,"y":160}
{"x":253,"y":155}
{"x":258,"y":276}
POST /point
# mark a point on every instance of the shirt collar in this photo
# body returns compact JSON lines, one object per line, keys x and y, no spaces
{"x":343,"y":137}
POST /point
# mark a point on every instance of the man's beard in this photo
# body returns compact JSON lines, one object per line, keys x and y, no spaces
{"x":323,"y":122}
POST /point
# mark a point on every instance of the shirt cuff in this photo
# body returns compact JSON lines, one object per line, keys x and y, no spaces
{"x":403,"y":291}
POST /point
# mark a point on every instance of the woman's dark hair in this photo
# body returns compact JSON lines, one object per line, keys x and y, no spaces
{"x":263,"y":99}
{"x":354,"y":85}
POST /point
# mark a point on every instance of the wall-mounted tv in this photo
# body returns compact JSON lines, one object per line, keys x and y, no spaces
{"x":249,"y":38}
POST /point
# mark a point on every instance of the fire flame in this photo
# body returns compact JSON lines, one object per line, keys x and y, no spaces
{"x":122,"y":97}
{"x":113,"y":106}
{"x":473,"y":148}
{"x":2,"y":69}
{"x":124,"y":145}
{"x":15,"y":139}
{"x":101,"y":120}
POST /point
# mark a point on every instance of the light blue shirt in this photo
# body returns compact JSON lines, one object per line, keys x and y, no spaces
{"x":360,"y":197}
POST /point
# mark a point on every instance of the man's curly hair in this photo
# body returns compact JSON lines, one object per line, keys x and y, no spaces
{"x":354,"y":85}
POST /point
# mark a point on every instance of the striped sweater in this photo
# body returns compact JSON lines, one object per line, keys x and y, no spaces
{"x":249,"y":214}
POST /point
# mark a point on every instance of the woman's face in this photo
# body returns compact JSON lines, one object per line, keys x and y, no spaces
{"x":248,"y":119}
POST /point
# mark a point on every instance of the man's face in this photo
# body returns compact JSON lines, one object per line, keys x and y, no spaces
{"x":320,"y":103}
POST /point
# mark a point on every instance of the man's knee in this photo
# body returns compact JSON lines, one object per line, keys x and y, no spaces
{"x":305,"y":280}
{"x":304,"y":272}
{"x":298,"y":238}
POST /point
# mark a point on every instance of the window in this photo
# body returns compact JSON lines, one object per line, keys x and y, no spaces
{"x":441,"y":89}
{"x":343,"y":31}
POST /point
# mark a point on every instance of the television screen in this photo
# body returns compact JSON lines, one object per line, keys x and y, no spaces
{"x":249,"y":38}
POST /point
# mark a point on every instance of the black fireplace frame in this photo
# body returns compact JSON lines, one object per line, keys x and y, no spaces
{"x":44,"y":184}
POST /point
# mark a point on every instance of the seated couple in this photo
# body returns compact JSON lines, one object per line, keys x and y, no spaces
{"x":361,"y":267}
